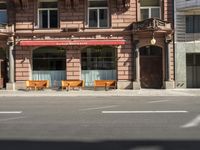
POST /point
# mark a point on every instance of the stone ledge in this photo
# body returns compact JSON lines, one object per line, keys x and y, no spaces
{"x":136,"y":85}
{"x":169,"y":84}
{"x":10,"y":86}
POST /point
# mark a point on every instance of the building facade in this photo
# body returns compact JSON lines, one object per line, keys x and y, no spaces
{"x":130,"y":41}
{"x":187,"y":43}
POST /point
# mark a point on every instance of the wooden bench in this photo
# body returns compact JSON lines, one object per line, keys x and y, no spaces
{"x":67,"y":84}
{"x":105,"y":83}
{"x":37,"y":84}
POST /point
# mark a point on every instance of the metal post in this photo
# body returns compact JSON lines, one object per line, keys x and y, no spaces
{"x":137,"y":63}
{"x":136,"y":83}
{"x":11,"y":59}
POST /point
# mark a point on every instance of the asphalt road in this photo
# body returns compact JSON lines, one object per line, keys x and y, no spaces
{"x":98,"y":123}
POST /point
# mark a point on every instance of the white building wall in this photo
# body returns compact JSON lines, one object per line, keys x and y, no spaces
{"x":184,"y":42}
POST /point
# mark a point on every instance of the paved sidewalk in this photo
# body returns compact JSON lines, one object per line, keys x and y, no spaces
{"x":142,"y":92}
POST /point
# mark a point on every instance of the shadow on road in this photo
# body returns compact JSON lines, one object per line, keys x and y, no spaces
{"x":101,"y":145}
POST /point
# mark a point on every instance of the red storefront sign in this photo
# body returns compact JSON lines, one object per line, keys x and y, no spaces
{"x":70,"y":42}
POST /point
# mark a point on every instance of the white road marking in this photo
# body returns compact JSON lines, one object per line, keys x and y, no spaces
{"x":194,"y":123}
{"x":160,"y":101}
{"x":143,"y":112}
{"x":10,"y":112}
{"x":96,"y":108}
{"x":8,"y":119}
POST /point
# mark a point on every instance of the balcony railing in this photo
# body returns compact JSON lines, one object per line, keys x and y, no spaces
{"x":152,"y":24}
{"x":188,"y":5}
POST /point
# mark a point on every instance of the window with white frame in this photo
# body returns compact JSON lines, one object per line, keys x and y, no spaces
{"x":48,"y":14}
{"x":3,"y":13}
{"x":98,"y":14}
{"x":149,"y":9}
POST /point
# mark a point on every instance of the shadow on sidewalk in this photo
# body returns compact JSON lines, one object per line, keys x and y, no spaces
{"x":101,"y":145}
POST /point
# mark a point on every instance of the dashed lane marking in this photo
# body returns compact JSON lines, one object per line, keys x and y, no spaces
{"x":10,"y":112}
{"x":143,"y":112}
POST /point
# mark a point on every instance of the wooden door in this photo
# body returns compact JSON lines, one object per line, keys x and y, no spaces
{"x":151,"y":67}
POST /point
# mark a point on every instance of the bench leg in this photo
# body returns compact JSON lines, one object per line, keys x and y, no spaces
{"x":106,"y":88}
{"x":68,"y":87}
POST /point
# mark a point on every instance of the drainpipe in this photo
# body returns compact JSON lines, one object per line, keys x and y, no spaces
{"x":167,"y":62}
{"x":10,"y":43}
{"x":136,"y":55}
{"x":11,"y":59}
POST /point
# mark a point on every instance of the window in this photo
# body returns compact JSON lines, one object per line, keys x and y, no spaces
{"x":3,"y":13}
{"x":48,"y":14}
{"x":192,"y":24}
{"x":98,"y":58}
{"x":149,"y":9}
{"x":98,"y":14}
{"x":49,"y":58}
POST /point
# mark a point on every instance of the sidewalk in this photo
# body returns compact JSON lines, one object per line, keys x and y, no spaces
{"x":142,"y":92}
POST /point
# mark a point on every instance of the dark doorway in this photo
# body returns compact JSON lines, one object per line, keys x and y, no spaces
{"x":3,"y":68}
{"x":193,"y":70}
{"x":151,"y":67}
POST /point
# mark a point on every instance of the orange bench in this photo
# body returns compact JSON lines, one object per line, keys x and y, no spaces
{"x":37,"y":84}
{"x":67,"y":84}
{"x":105,"y":83}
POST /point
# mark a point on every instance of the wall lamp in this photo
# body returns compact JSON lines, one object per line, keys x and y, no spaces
{"x":153,"y":40}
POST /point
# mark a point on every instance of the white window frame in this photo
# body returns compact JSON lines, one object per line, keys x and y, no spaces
{"x":4,"y":10}
{"x":98,"y":9}
{"x":48,"y":13}
{"x":149,"y":10}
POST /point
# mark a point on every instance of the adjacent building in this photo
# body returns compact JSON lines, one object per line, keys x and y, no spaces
{"x":187,"y":43}
{"x":130,"y":41}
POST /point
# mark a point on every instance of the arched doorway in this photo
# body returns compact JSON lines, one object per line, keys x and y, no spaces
{"x":151,"y":75}
{"x":98,"y":63}
{"x":49,"y":63}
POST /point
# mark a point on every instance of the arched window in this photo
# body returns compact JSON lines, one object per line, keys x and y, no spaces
{"x":49,"y":63}
{"x":98,"y":63}
{"x":49,"y":58}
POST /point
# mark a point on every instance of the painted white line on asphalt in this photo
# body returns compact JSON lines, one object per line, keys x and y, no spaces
{"x":8,"y":119}
{"x":194,"y":123}
{"x":160,"y":101}
{"x":142,"y":112}
{"x":96,"y":108}
{"x":10,"y":112}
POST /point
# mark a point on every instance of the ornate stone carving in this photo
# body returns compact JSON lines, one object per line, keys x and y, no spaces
{"x":152,"y":24}
{"x":23,"y":4}
{"x":123,"y":4}
{"x":76,"y":4}
{"x":68,"y":4}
